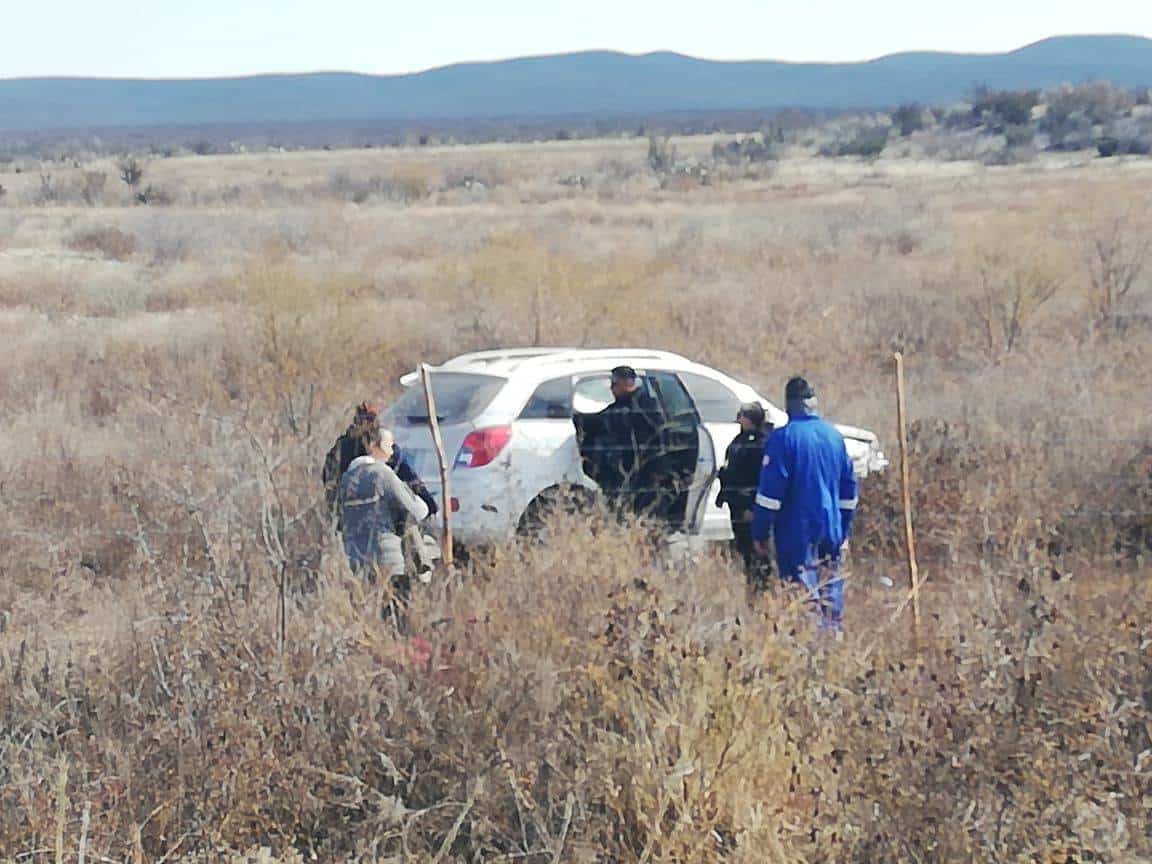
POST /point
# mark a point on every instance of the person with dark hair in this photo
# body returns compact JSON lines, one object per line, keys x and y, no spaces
{"x":807,"y":496}
{"x":376,"y":508}
{"x":350,"y":446}
{"x":739,"y":479}
{"x":621,"y":443}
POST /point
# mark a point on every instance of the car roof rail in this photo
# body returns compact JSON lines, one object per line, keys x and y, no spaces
{"x":617,"y":353}
{"x":514,"y":359}
{"x":500,"y":356}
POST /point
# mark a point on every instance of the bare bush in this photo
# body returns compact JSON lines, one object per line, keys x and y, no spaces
{"x":164,"y":241}
{"x":867,"y":143}
{"x":1005,"y":107}
{"x":1014,"y":274}
{"x":406,"y":184}
{"x":661,"y":154}
{"x":1115,"y":252}
{"x":189,"y":673}
{"x":744,"y":150}
{"x":92,"y":187}
{"x":152,"y":194}
{"x":109,"y":241}
{"x":908,"y":119}
{"x":48,"y":191}
{"x":644,"y":710}
{"x":412,"y":181}
{"x":1010,"y":293}
{"x":131,"y":172}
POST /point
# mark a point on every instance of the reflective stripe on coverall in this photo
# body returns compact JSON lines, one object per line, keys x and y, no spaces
{"x":807,"y":497}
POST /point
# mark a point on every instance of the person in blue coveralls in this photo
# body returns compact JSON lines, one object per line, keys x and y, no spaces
{"x":807,"y":498}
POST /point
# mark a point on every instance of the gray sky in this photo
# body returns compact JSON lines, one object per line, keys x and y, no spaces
{"x":193,"y":38}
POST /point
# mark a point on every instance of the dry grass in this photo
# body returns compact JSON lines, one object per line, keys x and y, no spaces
{"x":174,"y":375}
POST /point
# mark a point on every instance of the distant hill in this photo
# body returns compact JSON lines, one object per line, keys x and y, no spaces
{"x":589,"y":83}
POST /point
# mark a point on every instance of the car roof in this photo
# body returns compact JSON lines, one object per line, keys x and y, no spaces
{"x":528,"y":367}
{"x":545,"y":362}
{"x":532,"y":366}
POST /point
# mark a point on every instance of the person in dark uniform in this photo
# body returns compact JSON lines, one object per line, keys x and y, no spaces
{"x":620,"y":445}
{"x":739,"y":481}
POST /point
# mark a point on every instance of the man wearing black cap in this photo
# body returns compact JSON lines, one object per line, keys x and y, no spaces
{"x":621,"y":442}
{"x":807,"y":496}
{"x":739,"y":480}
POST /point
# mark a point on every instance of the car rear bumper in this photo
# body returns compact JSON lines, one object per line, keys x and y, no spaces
{"x":485,"y":510}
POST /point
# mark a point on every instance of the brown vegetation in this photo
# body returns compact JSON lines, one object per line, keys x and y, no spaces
{"x":173,"y":378}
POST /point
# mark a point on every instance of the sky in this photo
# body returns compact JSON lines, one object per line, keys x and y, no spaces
{"x":211,"y":38}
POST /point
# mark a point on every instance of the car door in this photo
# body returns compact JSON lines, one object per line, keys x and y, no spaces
{"x":691,"y":450}
{"x":544,"y":430}
{"x":718,"y":406}
{"x":683,"y":461}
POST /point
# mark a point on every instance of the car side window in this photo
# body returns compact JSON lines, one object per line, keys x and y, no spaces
{"x":551,"y":401}
{"x":674,"y":398}
{"x":715,"y":402}
{"x":591,"y":394}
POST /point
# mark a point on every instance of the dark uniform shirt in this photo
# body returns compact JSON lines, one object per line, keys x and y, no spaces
{"x":619,"y":442}
{"x":740,"y":476}
{"x":621,"y":448}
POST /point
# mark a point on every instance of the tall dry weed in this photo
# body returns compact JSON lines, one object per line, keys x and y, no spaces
{"x":1013,"y":269}
{"x":163,"y":423}
{"x":619,"y":709}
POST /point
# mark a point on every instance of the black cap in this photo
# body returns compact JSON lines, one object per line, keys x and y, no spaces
{"x":798,"y":389}
{"x":623,"y":373}
{"x":754,"y":411}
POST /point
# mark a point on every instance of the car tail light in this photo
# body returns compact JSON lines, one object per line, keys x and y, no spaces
{"x":482,"y":446}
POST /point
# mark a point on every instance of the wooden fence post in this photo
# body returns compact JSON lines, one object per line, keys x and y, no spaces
{"x":438,"y":442}
{"x":906,"y":483}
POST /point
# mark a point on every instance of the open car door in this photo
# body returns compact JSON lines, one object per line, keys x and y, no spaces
{"x":657,"y":460}
{"x":691,"y":453}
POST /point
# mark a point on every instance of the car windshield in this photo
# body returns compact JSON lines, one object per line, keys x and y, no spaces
{"x":460,"y":397}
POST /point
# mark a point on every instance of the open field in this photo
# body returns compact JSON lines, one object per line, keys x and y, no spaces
{"x":175,"y":371}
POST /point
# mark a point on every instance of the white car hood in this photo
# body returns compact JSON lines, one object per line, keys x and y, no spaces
{"x":855,"y":433}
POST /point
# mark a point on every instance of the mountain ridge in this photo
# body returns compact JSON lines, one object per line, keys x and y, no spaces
{"x":586,"y":82}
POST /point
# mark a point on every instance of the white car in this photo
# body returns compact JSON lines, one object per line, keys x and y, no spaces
{"x":506,"y":419}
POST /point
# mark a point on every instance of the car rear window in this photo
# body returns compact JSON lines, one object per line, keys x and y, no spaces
{"x":715,"y":402}
{"x":551,"y":401}
{"x":460,"y":397}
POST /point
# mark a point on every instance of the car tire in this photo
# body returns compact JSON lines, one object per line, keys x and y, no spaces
{"x":552,"y":502}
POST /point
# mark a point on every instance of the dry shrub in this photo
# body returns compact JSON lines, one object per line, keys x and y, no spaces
{"x":165,"y":240}
{"x":304,"y":334}
{"x":512,"y":268}
{"x":1121,"y":498}
{"x":518,"y":291}
{"x":1115,"y":247}
{"x":406,"y":183}
{"x":615,"y":710}
{"x":578,"y":701}
{"x":92,"y":187}
{"x":414,"y":181}
{"x":106,"y":240}
{"x":1012,"y":269}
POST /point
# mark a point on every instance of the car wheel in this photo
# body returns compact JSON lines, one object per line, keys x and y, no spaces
{"x":552,"y":504}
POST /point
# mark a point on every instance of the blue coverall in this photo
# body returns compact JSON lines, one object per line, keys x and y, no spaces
{"x":808,"y":496}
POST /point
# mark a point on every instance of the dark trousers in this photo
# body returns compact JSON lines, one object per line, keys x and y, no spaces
{"x":757,"y":569}
{"x":395,"y":606}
